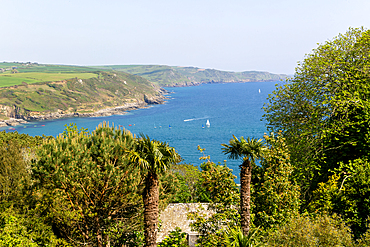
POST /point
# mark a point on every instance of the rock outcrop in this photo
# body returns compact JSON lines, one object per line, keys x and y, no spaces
{"x":16,"y":118}
{"x":12,"y":122}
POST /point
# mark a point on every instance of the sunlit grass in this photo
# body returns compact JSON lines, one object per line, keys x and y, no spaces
{"x":7,"y":79}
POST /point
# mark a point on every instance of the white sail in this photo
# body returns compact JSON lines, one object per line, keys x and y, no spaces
{"x":208,"y":123}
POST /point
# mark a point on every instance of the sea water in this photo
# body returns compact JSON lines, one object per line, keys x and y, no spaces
{"x":232,"y":109}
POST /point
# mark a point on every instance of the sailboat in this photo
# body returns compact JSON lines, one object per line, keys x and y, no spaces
{"x":259,"y":90}
{"x":208,"y":123}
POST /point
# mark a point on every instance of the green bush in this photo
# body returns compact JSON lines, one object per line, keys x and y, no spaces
{"x":234,"y":237}
{"x":177,"y":238}
{"x":305,"y":231}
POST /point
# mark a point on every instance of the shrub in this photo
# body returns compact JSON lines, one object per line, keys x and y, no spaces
{"x":175,"y":239}
{"x":305,"y":231}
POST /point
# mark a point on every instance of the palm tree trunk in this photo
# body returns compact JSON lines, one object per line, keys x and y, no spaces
{"x":245,"y":195}
{"x":150,"y":199}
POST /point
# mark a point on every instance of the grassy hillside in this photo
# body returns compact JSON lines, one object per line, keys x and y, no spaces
{"x":11,"y":79}
{"x":41,"y":89}
{"x":15,"y":73}
{"x":28,"y":89}
{"x":164,"y":75}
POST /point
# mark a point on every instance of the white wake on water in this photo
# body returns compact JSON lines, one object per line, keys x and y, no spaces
{"x":193,"y":119}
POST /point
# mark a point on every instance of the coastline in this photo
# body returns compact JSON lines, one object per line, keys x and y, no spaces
{"x":118,"y":110}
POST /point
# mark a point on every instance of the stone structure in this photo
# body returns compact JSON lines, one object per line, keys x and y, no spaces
{"x":175,"y":215}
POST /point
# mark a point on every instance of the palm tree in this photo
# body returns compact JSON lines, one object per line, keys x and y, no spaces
{"x":153,"y":158}
{"x":249,"y":150}
{"x":234,"y":237}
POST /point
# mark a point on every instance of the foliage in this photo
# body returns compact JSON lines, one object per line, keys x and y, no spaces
{"x":234,"y":237}
{"x":346,"y":193}
{"x":14,"y":175}
{"x":189,"y":176}
{"x":275,"y":197}
{"x":324,"y":107}
{"x":152,"y":158}
{"x":211,"y":225}
{"x":217,"y":184}
{"x":249,"y":150}
{"x":21,"y":224}
{"x":22,"y":230}
{"x":87,"y":185}
{"x":133,"y":239}
{"x":176,"y":238}
{"x":221,"y":192}
{"x":22,"y":140}
{"x":302,"y":231}
{"x":16,"y":152}
{"x":170,"y":188}
{"x":324,"y":197}
{"x":14,"y":233}
{"x":364,"y":241}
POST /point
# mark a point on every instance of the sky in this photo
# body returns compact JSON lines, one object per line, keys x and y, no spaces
{"x":231,"y":35}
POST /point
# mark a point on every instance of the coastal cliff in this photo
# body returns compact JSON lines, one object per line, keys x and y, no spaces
{"x":34,"y":92}
{"x":16,"y":118}
{"x":104,"y":94}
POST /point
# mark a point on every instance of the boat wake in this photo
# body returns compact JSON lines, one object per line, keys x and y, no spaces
{"x":193,"y":119}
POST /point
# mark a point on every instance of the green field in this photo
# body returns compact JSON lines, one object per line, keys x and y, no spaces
{"x":7,"y":79}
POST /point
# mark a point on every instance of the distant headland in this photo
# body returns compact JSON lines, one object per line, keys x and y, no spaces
{"x":34,"y":92}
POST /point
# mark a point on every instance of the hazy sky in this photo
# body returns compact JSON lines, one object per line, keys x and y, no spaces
{"x":233,"y":35}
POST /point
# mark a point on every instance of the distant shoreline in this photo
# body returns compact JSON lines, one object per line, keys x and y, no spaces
{"x":119,"y":110}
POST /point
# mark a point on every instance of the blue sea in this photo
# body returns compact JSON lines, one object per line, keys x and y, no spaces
{"x":232,"y":109}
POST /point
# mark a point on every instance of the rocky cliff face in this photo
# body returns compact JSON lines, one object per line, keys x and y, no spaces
{"x":106,"y":93}
{"x":14,"y":115}
{"x":13,"y":112}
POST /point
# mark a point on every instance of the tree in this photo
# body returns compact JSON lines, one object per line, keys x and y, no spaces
{"x":20,"y":224}
{"x":14,"y":175}
{"x":25,"y":230}
{"x":87,"y":185}
{"x":275,"y":195}
{"x":346,"y":193}
{"x":249,"y":150}
{"x":323,"y":110}
{"x":152,"y":158}
{"x":217,"y":188}
{"x":188,"y":176}
{"x":16,"y":151}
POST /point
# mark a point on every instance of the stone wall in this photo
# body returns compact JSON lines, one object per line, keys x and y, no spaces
{"x":175,"y":215}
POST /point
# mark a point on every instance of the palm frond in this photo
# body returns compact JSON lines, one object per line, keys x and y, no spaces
{"x":152,"y":155}
{"x":234,"y":237}
{"x":251,"y":149}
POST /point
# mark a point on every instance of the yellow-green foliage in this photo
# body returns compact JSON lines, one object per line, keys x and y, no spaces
{"x":303,"y":231}
{"x":219,"y":189}
{"x":322,"y":200}
{"x":323,"y":110}
{"x":275,"y":196}
{"x":19,"y":230}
